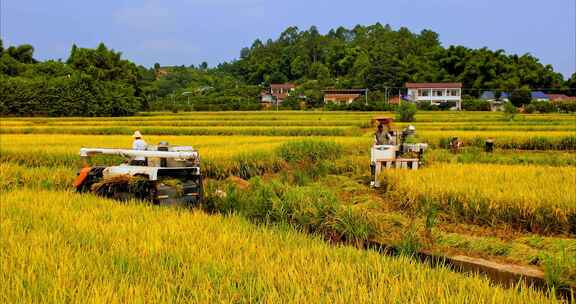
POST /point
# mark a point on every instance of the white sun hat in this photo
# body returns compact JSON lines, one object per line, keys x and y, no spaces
{"x":137,"y":134}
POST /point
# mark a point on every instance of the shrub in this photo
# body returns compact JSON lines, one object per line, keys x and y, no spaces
{"x":475,"y":105}
{"x":510,"y":111}
{"x":565,"y":106}
{"x":353,"y":227}
{"x":410,"y":244}
{"x":406,"y":112}
{"x":312,"y":208}
{"x":541,"y":106}
{"x":529,"y":109}
{"x":309,"y":150}
{"x":427,"y":106}
{"x":447,"y":105}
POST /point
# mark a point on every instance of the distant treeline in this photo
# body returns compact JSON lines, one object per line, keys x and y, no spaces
{"x":92,"y":82}
{"x":98,"y":82}
{"x":377,"y":57}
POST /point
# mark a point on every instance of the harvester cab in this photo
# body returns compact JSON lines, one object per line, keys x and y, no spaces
{"x":170,"y":175}
{"x":401,"y":150}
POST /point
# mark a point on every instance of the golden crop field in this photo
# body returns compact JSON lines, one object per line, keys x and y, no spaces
{"x":536,"y":198}
{"x":61,"y":246}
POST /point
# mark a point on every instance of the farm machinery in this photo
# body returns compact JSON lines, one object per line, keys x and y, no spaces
{"x":166,"y":175}
{"x":400,"y":151}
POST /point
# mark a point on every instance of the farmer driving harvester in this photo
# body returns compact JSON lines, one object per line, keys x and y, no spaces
{"x":383,"y":136}
{"x":138,"y":144}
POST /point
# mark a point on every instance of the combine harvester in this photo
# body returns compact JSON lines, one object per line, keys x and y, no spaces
{"x":400,"y":152}
{"x":170,"y":175}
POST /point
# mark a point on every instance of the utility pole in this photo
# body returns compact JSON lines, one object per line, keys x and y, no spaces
{"x":386,"y":94}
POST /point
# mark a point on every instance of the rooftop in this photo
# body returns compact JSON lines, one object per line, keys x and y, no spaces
{"x":282,"y":85}
{"x":344,"y":91}
{"x":488,"y":95}
{"x":538,"y":95}
{"x":433,"y":85}
{"x":561,"y":97}
{"x":342,"y":95}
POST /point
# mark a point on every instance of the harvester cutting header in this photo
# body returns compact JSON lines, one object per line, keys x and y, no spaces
{"x":163,"y":174}
{"x":394,"y":149}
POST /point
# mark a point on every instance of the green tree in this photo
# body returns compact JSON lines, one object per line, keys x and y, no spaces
{"x":319,"y":72}
{"x":291,"y":102}
{"x":23,"y":53}
{"x":299,"y":67}
{"x":521,"y":97}
{"x":571,"y":85}
{"x":10,"y":66}
{"x":277,"y":77}
{"x":103,"y":64}
{"x":361,"y":69}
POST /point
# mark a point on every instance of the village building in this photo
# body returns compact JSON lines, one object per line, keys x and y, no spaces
{"x":561,"y":97}
{"x":490,"y":96}
{"x":496,"y":103}
{"x":344,"y":96}
{"x":395,"y":100}
{"x":276,"y":94}
{"x":435,"y":92}
{"x":539,"y":96}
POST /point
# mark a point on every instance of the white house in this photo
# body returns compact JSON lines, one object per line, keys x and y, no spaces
{"x":435,"y":92}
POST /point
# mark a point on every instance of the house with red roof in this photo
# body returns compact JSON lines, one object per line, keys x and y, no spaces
{"x":343,"y":96}
{"x":435,"y":92}
{"x":276,"y":93}
{"x":561,"y":97}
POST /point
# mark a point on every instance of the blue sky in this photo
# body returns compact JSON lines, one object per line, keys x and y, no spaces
{"x":191,"y":31}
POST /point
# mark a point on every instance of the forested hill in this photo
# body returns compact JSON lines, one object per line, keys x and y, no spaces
{"x":377,"y":56}
{"x":96,"y":82}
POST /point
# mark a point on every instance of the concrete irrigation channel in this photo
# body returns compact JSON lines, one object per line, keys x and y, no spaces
{"x":506,"y":275}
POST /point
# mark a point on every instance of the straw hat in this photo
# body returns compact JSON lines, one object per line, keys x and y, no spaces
{"x":137,"y":134}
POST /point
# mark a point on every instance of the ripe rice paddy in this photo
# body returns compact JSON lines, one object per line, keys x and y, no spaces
{"x":67,"y":247}
{"x":63,"y":247}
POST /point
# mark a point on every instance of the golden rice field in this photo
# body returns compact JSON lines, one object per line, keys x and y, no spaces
{"x":59,"y":246}
{"x":535,"y":198}
{"x":62,"y":247}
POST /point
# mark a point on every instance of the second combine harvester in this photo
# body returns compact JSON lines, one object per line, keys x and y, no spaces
{"x":399,"y":152}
